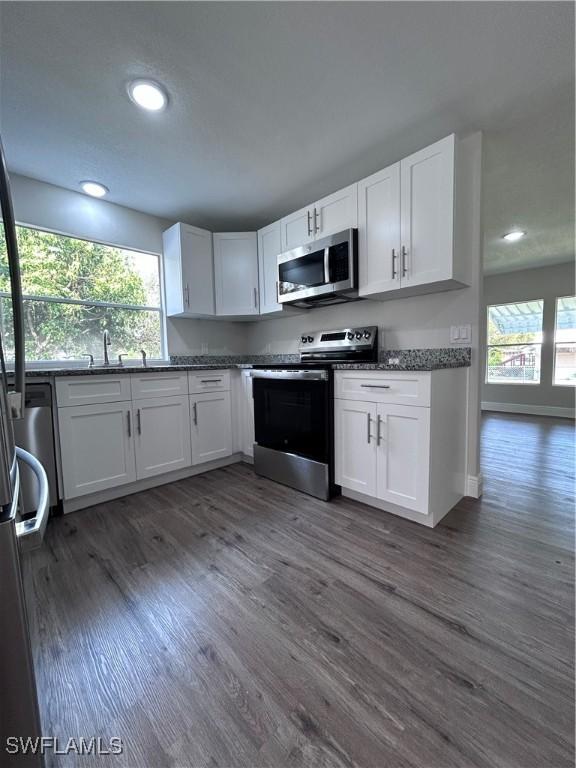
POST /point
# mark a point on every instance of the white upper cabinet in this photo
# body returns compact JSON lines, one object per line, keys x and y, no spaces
{"x":336,"y":212}
{"x":427,"y":214}
{"x":297,"y":228}
{"x":333,"y":213}
{"x":379,"y":231}
{"x":269,"y":246}
{"x":188,"y":271}
{"x":415,"y":233}
{"x":236,"y":273}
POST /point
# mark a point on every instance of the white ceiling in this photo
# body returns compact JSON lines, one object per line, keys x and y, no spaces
{"x":273,"y":105}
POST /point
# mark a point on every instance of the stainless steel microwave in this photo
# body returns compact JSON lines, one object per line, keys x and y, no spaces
{"x":322,"y":272}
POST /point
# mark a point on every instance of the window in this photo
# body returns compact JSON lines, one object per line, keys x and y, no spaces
{"x":514,"y":343}
{"x":74,"y":289}
{"x":565,"y":341}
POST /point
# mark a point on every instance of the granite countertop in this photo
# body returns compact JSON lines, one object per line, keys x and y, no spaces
{"x":389,"y":360}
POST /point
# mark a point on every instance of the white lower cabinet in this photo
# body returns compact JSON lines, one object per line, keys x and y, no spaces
{"x":211,"y":426}
{"x":162,"y":435}
{"x":403,"y":439}
{"x":404,"y":457}
{"x":97,"y":448}
{"x":355,"y":422}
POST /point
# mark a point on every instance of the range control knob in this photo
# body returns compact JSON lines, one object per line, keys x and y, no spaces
{"x":366,"y":334}
{"x":350,"y":335}
{"x":358,"y":335}
{"x":310,"y":339}
{"x":303,"y":339}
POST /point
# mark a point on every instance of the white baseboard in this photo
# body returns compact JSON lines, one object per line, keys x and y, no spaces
{"x":474,"y":485}
{"x":533,"y":410}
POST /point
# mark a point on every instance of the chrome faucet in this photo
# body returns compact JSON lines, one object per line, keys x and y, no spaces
{"x":107,"y":342}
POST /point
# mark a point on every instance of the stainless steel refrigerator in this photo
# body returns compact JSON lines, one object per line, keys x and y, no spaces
{"x":19,"y":715}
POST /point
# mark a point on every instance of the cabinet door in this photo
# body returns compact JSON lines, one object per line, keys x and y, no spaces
{"x":211,"y":426}
{"x":355,"y":445}
{"x":297,"y":228}
{"x":427,"y":214}
{"x":236,"y":273}
{"x":336,"y":212}
{"x":379,"y":231}
{"x":188,"y":271}
{"x":97,"y":447}
{"x":162,"y":429}
{"x":403,"y":436}
{"x":269,"y":246}
{"x":197,"y":270}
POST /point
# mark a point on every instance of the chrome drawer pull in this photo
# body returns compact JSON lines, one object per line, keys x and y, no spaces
{"x":209,"y":381}
{"x":375,"y":386}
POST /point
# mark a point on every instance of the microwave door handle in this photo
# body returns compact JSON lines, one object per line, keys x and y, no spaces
{"x":327,"y":266}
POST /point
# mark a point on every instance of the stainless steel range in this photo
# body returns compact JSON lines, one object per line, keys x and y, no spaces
{"x":293,"y":409}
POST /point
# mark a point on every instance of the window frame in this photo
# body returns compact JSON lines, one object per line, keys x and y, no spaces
{"x":555,"y":343}
{"x":80,"y":362}
{"x":516,"y":344}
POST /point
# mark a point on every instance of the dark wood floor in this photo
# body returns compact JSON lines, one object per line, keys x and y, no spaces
{"x":228,"y":621}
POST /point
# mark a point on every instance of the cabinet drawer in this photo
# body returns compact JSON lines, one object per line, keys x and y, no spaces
{"x":208,"y":381}
{"x":158,"y":385}
{"x":400,"y":387}
{"x":87,"y":390}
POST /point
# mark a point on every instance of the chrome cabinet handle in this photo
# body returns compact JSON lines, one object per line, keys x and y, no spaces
{"x":129,"y":419}
{"x":404,"y":267}
{"x":309,"y":218}
{"x":138,"y":422}
{"x":316,"y":219}
{"x":210,"y":381}
{"x":378,"y":430}
{"x":255,"y":298}
{"x":393,"y":264}
{"x":195,"y":411}
{"x":187,"y":294}
{"x":368,"y":429}
{"x":375,"y":386}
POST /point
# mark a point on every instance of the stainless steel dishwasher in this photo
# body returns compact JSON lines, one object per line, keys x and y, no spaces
{"x":35,"y":433}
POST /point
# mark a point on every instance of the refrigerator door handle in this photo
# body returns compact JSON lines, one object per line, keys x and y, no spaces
{"x":31,"y":532}
{"x":16,"y":398}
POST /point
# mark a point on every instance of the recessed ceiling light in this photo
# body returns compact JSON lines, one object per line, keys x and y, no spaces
{"x":94,"y":189}
{"x":513,"y":236}
{"x":148,"y":95}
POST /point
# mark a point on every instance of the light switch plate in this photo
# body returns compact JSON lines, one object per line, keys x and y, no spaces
{"x":460,"y":334}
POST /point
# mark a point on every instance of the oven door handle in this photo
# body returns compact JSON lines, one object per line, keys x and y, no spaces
{"x":290,"y":375}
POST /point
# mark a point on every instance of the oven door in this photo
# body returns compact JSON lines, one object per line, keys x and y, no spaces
{"x":291,"y":415}
{"x":303,"y":273}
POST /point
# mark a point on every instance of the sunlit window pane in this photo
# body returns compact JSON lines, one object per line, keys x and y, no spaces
{"x":565,"y":341}
{"x":57,"y":331}
{"x":515,"y":323}
{"x":86,"y":273}
{"x":514,"y":364}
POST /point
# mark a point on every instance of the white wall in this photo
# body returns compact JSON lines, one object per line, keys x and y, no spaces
{"x":49,"y":207}
{"x":543,"y":283}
